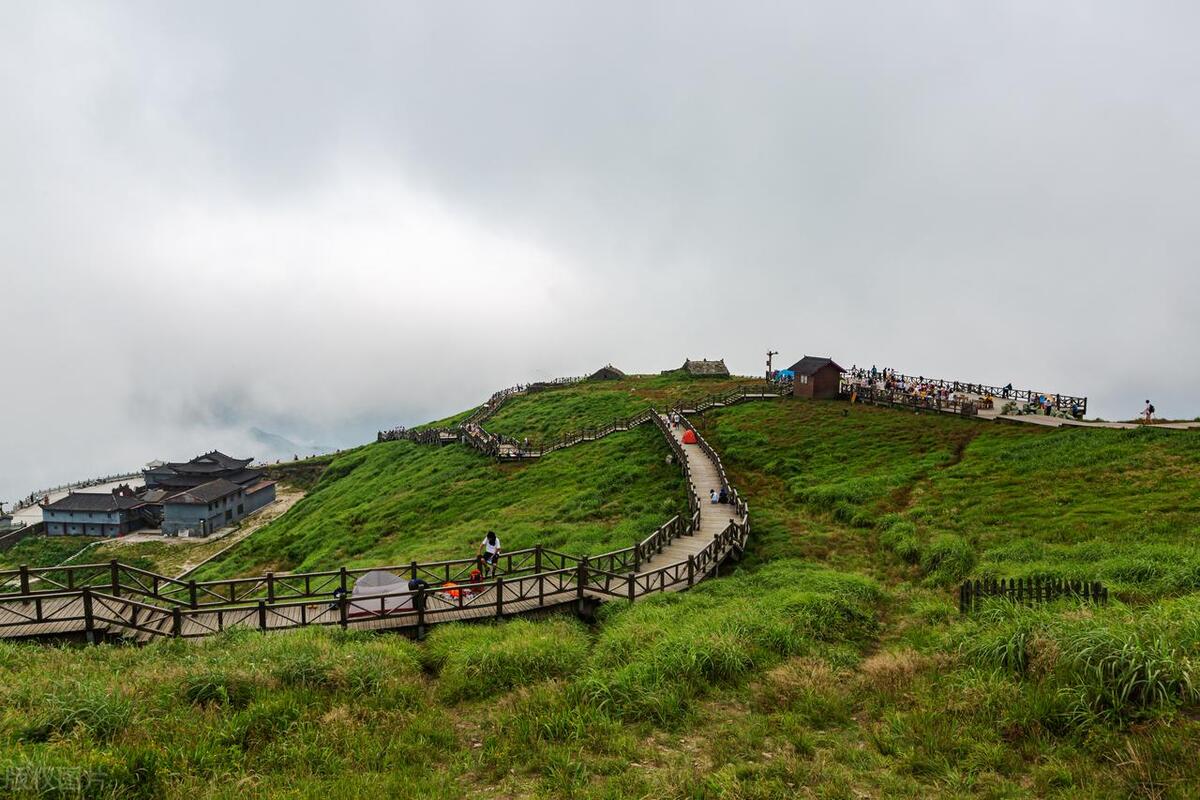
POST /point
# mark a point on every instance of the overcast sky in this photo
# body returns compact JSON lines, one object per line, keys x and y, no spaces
{"x":321,"y":219}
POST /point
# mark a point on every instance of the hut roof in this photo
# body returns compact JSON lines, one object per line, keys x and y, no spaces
{"x":810,"y":364}
{"x":702,"y":367}
{"x":607,"y":372}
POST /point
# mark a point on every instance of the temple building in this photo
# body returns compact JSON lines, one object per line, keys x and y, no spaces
{"x":209,"y":492}
{"x":114,"y":513}
{"x":201,"y":469}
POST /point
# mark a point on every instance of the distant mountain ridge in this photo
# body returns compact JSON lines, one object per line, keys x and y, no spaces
{"x":277,"y":446}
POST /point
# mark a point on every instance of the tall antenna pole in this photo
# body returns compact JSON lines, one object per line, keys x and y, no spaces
{"x":770,"y":354}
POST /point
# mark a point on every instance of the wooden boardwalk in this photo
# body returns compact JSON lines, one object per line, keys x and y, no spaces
{"x":116,"y":600}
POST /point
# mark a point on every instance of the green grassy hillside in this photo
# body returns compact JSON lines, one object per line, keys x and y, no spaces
{"x":547,"y":415}
{"x":846,"y":484}
{"x":833,"y":662}
{"x":394,"y":502}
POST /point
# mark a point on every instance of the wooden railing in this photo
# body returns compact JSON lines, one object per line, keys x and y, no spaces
{"x":884,"y":397}
{"x":734,"y":498}
{"x":1029,"y":591}
{"x":1063,"y":402}
{"x":130,"y":600}
{"x":731,"y":397}
{"x":507,"y":448}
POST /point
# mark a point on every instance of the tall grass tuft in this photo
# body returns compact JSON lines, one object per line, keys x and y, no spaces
{"x":478,"y":661}
{"x":1111,"y":665}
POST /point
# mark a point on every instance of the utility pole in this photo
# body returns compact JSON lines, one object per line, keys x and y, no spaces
{"x":770,"y":354}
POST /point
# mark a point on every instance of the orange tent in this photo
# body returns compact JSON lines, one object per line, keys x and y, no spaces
{"x":689,"y":436}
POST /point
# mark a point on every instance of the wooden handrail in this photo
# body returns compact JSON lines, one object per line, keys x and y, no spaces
{"x":271,"y":594}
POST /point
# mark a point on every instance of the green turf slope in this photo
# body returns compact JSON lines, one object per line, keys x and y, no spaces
{"x":395,"y":502}
{"x":831,"y":663}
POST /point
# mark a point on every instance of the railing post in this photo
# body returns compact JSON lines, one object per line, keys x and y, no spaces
{"x":342,"y":581}
{"x":24,"y":579}
{"x":632,"y":586}
{"x":581,"y":579}
{"x":192,"y":600}
{"x":262,"y":615}
{"x":412,"y":570}
{"x":691,"y":570}
{"x":499,"y":597}
{"x":420,"y":601}
{"x":176,"y":622}
{"x":89,"y":624}
{"x":270,"y":587}
{"x":537,"y":559}
{"x":115,"y":577}
{"x":343,"y":610}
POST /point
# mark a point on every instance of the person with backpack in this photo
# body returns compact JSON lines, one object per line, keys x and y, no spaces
{"x":1148,"y":413}
{"x":489,"y":548}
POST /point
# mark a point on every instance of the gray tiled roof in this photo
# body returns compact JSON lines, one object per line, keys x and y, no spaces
{"x":94,"y":501}
{"x":203,"y":494}
{"x":215,"y":461}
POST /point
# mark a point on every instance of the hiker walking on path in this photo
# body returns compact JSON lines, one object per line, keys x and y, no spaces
{"x":1148,"y":412}
{"x":489,"y":548}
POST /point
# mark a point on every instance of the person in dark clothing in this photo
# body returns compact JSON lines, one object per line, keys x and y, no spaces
{"x":416,"y":585}
{"x":724,"y":496}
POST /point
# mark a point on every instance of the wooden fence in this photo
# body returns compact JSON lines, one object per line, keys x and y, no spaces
{"x":884,"y":397}
{"x":1063,"y":402}
{"x":129,"y":601}
{"x":1028,"y":590}
{"x":508,"y":448}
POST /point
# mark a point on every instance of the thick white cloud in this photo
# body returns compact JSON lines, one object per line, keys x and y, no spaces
{"x":319,"y":221}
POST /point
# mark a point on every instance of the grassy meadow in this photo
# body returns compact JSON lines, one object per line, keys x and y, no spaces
{"x":832,"y":662}
{"x":395,"y":502}
{"x":544,"y":416}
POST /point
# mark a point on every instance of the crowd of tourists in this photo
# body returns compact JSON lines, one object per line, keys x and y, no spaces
{"x":902,"y":387}
{"x":939,"y":393}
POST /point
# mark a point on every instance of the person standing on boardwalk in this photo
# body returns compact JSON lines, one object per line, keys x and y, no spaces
{"x":489,"y":548}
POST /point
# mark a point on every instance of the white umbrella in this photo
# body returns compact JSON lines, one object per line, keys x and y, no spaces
{"x":373,"y":585}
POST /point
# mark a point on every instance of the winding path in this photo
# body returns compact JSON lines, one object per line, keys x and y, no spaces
{"x":122,"y":601}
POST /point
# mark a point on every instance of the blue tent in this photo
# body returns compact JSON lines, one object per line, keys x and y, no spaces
{"x":784,"y":375}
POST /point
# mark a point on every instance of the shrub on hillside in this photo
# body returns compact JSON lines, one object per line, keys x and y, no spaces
{"x":476,"y":661}
{"x":90,"y":707}
{"x":1110,"y":664}
{"x":218,"y":687}
{"x":653,"y":659}
{"x":900,"y":536}
{"x":946,"y":559}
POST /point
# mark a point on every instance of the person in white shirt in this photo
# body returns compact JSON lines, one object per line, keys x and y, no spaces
{"x":489,"y":548}
{"x":713,"y":497}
